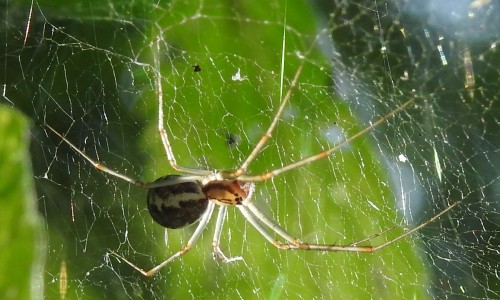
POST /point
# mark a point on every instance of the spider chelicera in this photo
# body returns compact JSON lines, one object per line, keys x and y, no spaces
{"x":175,"y":201}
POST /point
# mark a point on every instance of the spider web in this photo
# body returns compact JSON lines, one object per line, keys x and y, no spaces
{"x":87,"y":69}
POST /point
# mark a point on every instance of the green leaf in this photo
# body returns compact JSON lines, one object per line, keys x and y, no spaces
{"x":22,"y":250}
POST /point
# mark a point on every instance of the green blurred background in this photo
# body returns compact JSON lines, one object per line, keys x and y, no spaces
{"x":87,"y":69}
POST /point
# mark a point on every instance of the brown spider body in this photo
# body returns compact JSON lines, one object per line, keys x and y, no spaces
{"x":179,"y":202}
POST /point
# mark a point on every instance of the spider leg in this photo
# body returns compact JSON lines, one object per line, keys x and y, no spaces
{"x":266,"y":136}
{"x":272,"y":225}
{"x":161,"y":128}
{"x":263,"y":140}
{"x":324,"y":153}
{"x":216,"y":240}
{"x":371,"y":237}
{"x":138,"y":183}
{"x":97,"y":164}
{"x":256,"y":218}
{"x":192,"y":240}
{"x":255,"y":223}
{"x":434,"y":218}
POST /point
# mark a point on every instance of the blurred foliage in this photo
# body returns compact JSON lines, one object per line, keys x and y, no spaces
{"x":21,"y":228}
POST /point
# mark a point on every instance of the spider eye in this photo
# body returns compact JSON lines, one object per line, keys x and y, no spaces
{"x":175,"y":204}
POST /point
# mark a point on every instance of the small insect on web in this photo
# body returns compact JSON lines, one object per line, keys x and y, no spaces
{"x":175,"y":201}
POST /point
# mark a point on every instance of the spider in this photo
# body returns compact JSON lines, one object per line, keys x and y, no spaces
{"x":175,"y":201}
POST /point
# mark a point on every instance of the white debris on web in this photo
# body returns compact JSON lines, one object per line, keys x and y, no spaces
{"x":237,"y":76}
{"x":402,"y":158}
